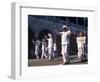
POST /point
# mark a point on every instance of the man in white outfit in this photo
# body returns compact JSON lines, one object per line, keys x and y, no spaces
{"x":50,"y":46}
{"x":64,"y":43}
{"x":44,"y":49}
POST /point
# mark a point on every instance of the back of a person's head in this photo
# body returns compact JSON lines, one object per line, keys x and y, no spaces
{"x":65,"y":28}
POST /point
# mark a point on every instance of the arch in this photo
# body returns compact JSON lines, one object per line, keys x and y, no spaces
{"x":44,"y":33}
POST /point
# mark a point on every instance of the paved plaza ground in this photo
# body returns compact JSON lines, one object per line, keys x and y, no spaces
{"x":55,"y":61}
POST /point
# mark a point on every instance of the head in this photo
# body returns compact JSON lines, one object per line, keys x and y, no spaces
{"x":49,"y":35}
{"x":80,"y":34}
{"x":37,"y":40}
{"x":65,"y":28}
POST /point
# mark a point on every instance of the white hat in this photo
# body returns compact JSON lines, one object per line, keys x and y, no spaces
{"x":49,"y":35}
{"x":64,"y":26}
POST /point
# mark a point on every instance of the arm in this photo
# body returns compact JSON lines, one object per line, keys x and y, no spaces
{"x":57,"y":32}
{"x":33,"y":41}
{"x":84,"y":40}
{"x":69,"y":31}
{"x":45,"y":37}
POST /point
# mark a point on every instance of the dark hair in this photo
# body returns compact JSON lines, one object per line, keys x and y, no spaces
{"x":65,"y":29}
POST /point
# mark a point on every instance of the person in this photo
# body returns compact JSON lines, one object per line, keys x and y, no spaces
{"x":37,"y":44}
{"x":54,"y":50}
{"x":80,"y":42}
{"x":44,"y":49}
{"x":50,"y":46}
{"x":64,"y":43}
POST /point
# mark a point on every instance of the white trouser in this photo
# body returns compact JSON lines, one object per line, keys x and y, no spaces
{"x":54,"y":53}
{"x":64,"y":52}
{"x":44,"y":53}
{"x":80,"y":51}
{"x":50,"y":52}
{"x":37,"y":52}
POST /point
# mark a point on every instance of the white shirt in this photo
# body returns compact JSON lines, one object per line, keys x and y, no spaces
{"x":43,"y":45}
{"x":81,"y":41}
{"x":54,"y":47}
{"x":50,"y":42}
{"x":65,"y":37}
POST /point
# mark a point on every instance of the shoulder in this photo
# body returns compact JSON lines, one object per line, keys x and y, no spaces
{"x":61,"y":32}
{"x":84,"y":37}
{"x":69,"y":31}
{"x":78,"y":38}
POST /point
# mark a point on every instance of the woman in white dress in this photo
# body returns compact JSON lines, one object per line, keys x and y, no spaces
{"x":80,"y":43}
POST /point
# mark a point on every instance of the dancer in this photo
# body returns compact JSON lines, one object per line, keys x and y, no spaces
{"x":64,"y":43}
{"x":50,"y":46}
{"x":54,"y":49}
{"x":80,"y":42}
{"x":44,"y":54}
{"x":37,"y":44}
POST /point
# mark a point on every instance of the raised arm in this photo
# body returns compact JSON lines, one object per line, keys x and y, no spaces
{"x":57,"y":32}
{"x":45,"y":37}
{"x":69,"y":31}
{"x":33,"y":41}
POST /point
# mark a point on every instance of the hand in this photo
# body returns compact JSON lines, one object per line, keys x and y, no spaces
{"x":33,"y":41}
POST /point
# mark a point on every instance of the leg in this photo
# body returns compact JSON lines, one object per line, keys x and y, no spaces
{"x":53,"y":54}
{"x":37,"y":57}
{"x":63,"y":54}
{"x":42,"y":54}
{"x":36,"y":53}
{"x":66,"y":54}
{"x":49,"y":53}
{"x":83,"y":54}
{"x":45,"y":54}
{"x":79,"y":52}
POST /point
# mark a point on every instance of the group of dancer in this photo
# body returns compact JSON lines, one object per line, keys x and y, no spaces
{"x":49,"y":48}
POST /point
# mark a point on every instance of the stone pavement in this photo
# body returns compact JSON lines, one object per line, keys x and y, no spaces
{"x":55,"y":61}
